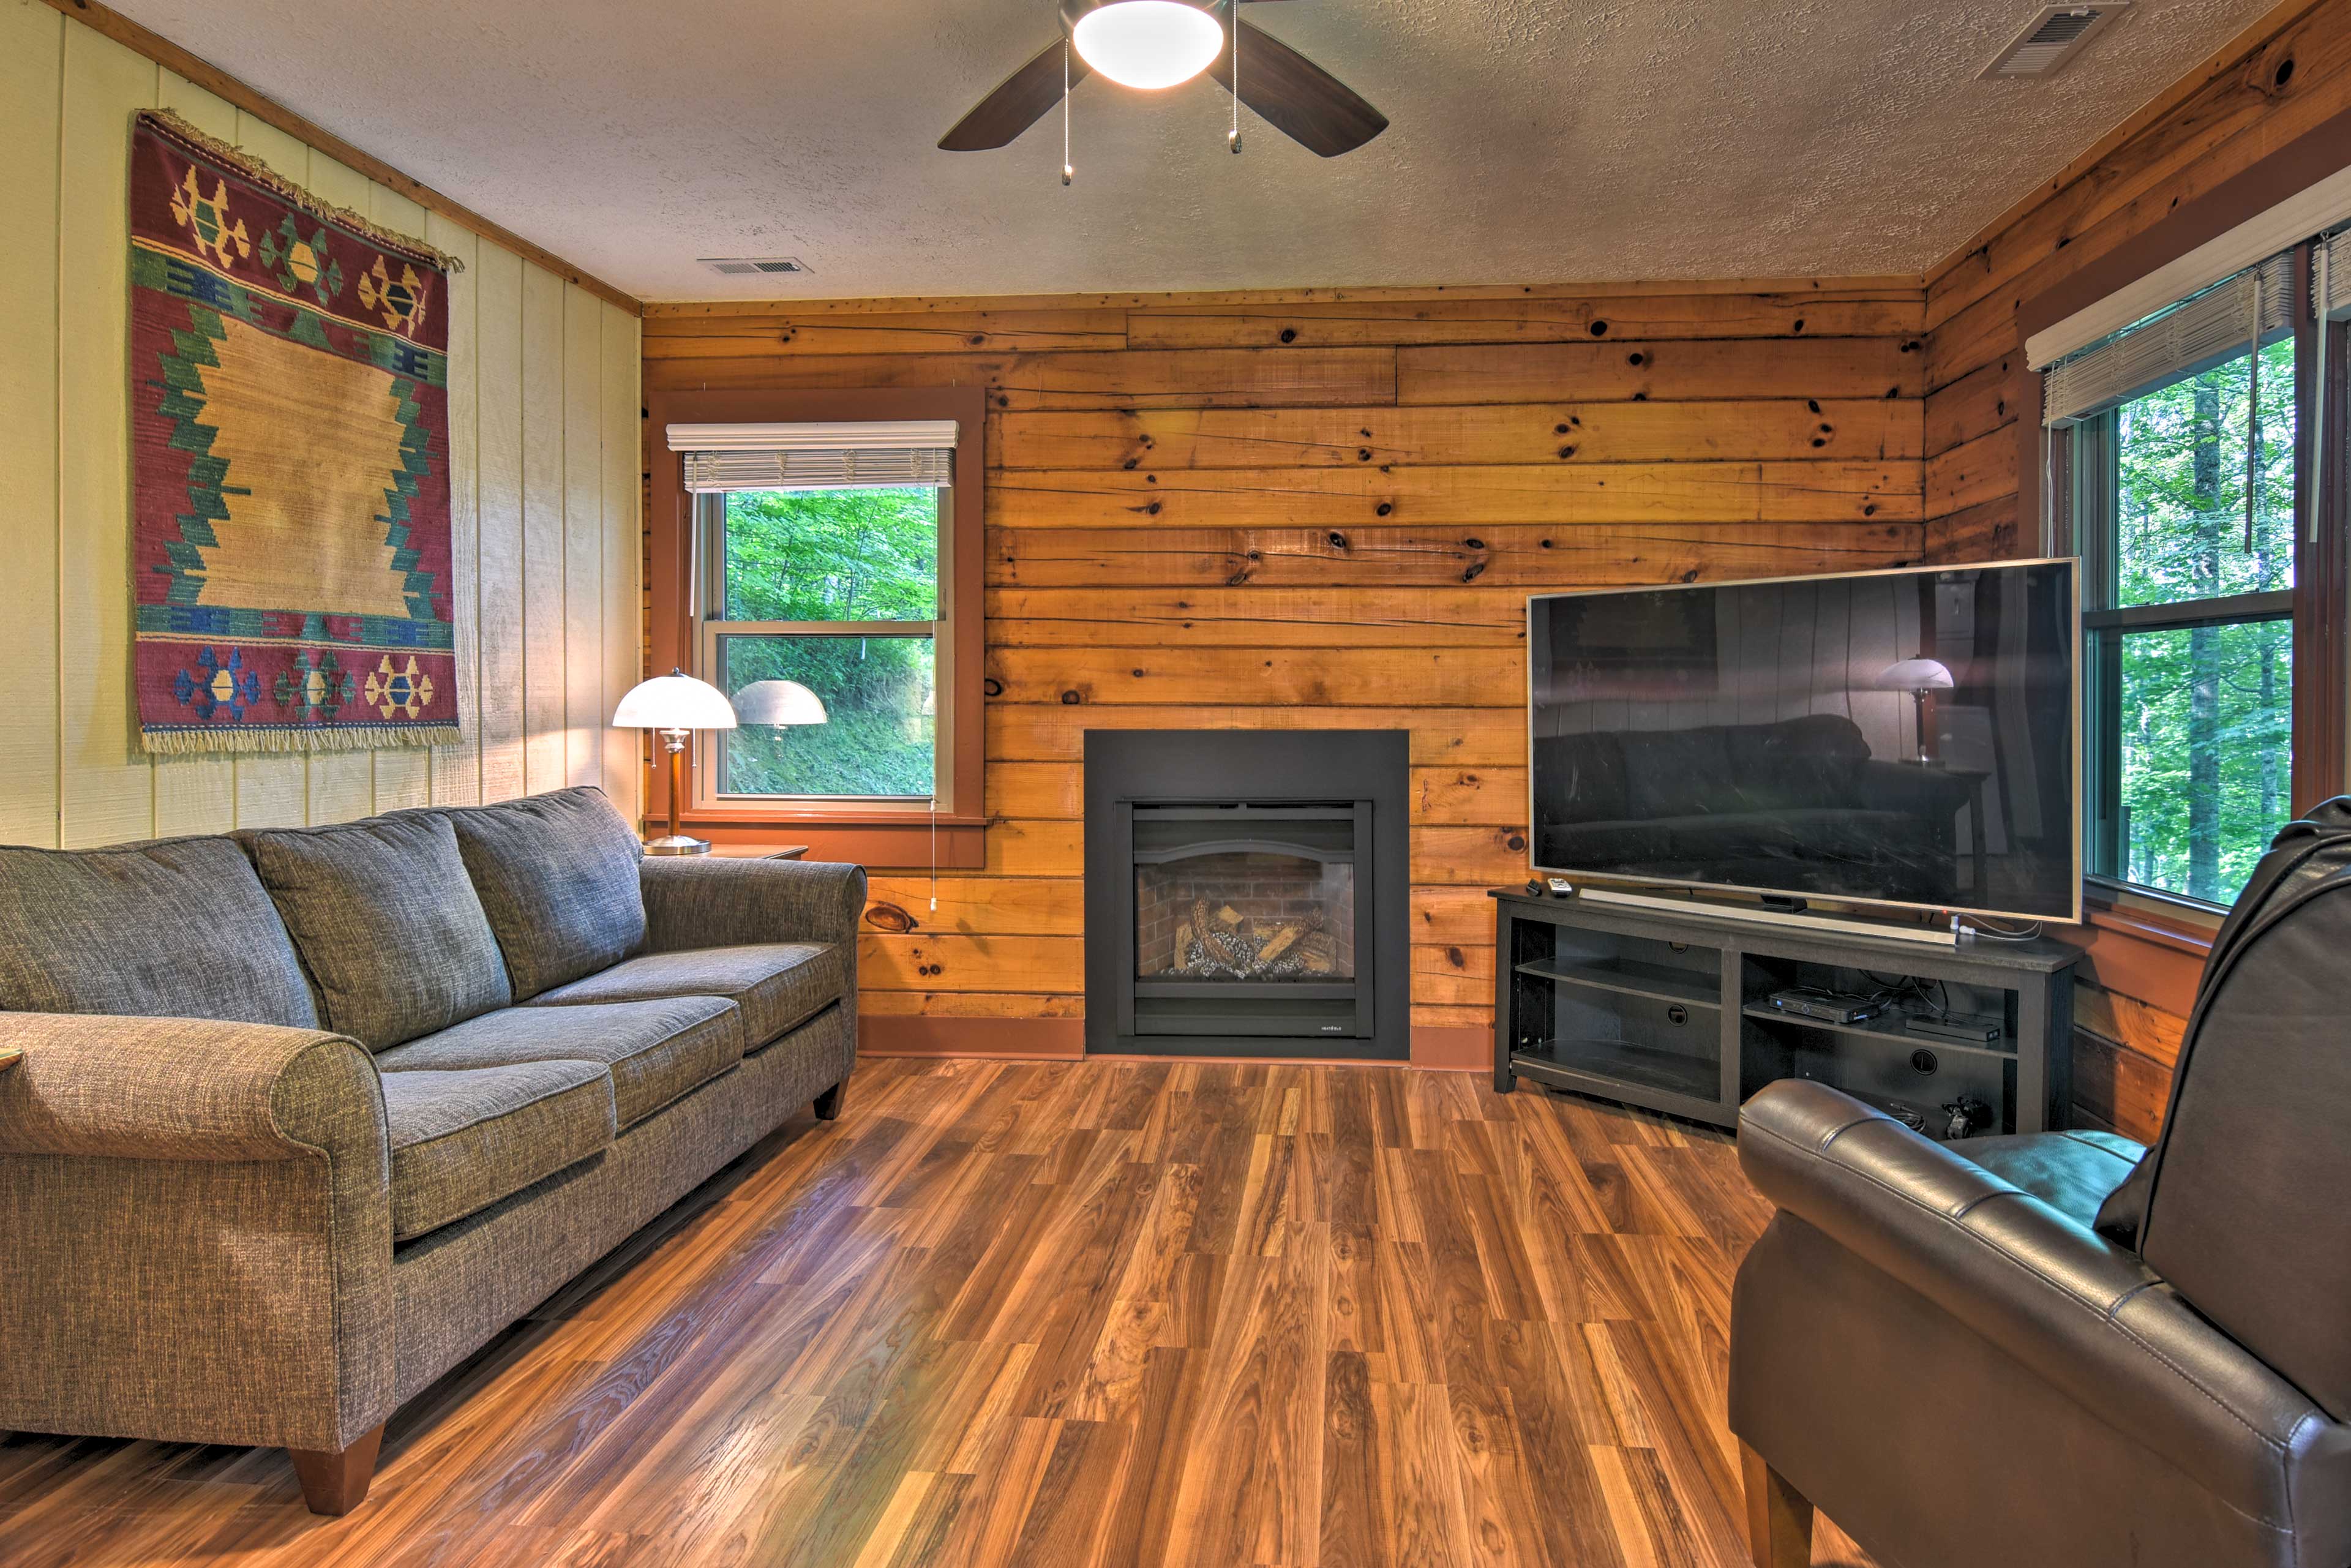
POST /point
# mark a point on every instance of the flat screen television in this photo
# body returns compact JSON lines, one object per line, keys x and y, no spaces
{"x":1907,"y":738}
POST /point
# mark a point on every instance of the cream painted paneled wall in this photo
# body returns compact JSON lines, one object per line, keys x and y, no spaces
{"x":544,"y":490}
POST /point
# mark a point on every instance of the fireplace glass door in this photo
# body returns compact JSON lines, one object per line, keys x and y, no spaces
{"x":1238,"y":916}
{"x":1245,"y":921}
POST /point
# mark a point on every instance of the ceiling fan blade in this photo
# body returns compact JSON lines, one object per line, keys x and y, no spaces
{"x":1297,"y":96}
{"x":1025,"y":97}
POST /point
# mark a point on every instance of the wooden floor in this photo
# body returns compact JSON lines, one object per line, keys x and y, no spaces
{"x":1066,"y":1314}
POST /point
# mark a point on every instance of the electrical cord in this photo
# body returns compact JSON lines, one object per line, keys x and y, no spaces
{"x":2032,"y":932}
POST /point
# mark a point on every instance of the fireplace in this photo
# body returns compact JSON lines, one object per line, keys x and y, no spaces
{"x":1246,"y":892}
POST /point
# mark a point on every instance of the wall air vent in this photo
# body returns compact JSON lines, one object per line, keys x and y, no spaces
{"x":753,"y":265}
{"x":2052,"y":38}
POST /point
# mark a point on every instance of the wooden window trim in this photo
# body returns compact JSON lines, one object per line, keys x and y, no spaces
{"x":2181,"y":924}
{"x":2178,"y":941}
{"x":2281,"y":176}
{"x":869,"y":835}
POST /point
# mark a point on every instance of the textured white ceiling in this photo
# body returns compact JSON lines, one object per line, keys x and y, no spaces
{"x":1531,"y":142}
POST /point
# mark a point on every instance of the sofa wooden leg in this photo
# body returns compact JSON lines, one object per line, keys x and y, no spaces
{"x":827,"y":1104}
{"x":1778,"y":1517}
{"x":332,"y":1483}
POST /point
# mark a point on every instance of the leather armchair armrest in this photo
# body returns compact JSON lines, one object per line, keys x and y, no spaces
{"x":186,"y":1089}
{"x":2086,"y":1316}
{"x":705,"y":902}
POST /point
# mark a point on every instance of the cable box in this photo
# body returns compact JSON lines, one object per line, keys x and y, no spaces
{"x":1823,"y":1007}
{"x":1967,"y":1029}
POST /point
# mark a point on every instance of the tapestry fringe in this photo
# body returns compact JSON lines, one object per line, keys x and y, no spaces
{"x":205,"y":742}
{"x":252,"y":168}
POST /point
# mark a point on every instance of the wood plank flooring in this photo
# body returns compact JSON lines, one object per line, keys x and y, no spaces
{"x":1091,"y":1314}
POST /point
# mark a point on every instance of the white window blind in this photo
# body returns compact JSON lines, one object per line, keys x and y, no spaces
{"x":2330,"y":275}
{"x":849,"y":455}
{"x":2208,"y":329}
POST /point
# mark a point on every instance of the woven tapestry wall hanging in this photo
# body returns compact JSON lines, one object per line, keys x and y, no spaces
{"x":289,"y":436}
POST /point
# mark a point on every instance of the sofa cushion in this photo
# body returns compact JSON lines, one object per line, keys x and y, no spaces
{"x":461,"y":1140}
{"x":1805,"y":763}
{"x":776,"y":985}
{"x":655,"y":1051}
{"x":1676,"y":772}
{"x":178,"y":928}
{"x":558,"y":877}
{"x":386,"y":921}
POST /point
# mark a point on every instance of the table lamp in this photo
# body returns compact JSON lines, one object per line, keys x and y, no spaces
{"x":1916,"y":676}
{"x":673,"y":706}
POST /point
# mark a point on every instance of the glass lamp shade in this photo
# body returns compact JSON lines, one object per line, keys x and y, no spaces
{"x":1148,"y":42}
{"x":1915,"y":675}
{"x":780,"y":703}
{"x":674,"y":701}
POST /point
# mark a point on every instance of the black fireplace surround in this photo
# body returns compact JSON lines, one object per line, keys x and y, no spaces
{"x":1247,"y":894}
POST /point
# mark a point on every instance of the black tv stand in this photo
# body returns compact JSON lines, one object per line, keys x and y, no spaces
{"x":1671,"y":1011}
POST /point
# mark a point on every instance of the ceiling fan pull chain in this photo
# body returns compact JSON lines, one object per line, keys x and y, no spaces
{"x":1066,"y":170}
{"x":1234,"y":136}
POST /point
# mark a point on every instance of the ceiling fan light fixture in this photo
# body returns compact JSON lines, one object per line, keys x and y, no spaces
{"x":1148,"y":44}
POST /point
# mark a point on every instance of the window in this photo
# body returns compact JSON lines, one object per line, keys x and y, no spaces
{"x":828,"y":538}
{"x":2179,"y":472}
{"x":836,"y":589}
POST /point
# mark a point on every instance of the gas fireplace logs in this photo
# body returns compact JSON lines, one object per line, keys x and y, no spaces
{"x":1225,"y":944}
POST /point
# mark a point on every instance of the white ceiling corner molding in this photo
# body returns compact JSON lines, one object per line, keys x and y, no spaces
{"x":2322,"y":206}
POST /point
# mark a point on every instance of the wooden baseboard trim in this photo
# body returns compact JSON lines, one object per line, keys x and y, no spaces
{"x":1001,"y":1040}
{"x":1449,"y":1049}
{"x":1452,"y":1048}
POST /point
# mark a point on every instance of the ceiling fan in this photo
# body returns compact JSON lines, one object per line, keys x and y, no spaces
{"x":1153,"y":44}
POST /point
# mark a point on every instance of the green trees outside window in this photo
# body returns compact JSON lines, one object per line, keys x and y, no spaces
{"x":839,"y":591}
{"x":2199,"y":699}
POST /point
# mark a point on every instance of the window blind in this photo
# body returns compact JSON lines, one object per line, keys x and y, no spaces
{"x":2330,"y":275}
{"x":852,"y":454}
{"x":2206,"y":329}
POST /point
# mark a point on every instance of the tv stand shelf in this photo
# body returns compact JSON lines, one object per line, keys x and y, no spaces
{"x":1633,"y":980}
{"x":1671,"y":1011}
{"x":1883,"y":1028}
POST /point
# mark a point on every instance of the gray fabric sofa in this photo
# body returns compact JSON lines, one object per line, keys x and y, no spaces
{"x":305,"y":1117}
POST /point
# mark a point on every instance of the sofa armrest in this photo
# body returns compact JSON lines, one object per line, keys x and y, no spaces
{"x":195,"y":1232}
{"x":705,"y":902}
{"x":2088,"y":1317}
{"x":182,"y":1089}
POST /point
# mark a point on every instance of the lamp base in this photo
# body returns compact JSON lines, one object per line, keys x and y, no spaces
{"x":677,"y":844}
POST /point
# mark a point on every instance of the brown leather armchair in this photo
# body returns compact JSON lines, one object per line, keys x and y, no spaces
{"x":2001,"y":1352}
{"x":1941,"y":1352}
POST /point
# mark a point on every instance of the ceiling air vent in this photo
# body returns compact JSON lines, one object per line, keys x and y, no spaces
{"x":2051,"y":39}
{"x":753,"y":265}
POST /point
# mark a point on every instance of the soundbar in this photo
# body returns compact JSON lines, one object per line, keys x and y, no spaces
{"x":1935,"y":936}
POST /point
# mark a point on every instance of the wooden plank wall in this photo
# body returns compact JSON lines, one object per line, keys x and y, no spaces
{"x":2212,"y":125}
{"x":1325,"y":510}
{"x":546,"y":636}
